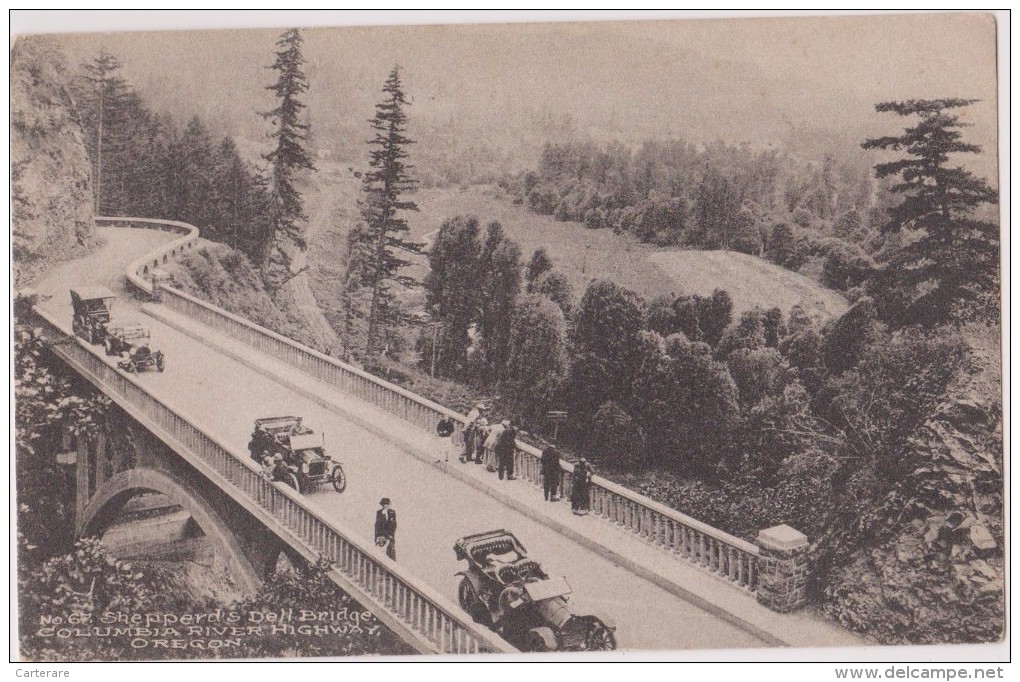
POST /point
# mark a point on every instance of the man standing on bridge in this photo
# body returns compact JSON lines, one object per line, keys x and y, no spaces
{"x":551,"y":473}
{"x":386,"y":528}
{"x":505,"y":446}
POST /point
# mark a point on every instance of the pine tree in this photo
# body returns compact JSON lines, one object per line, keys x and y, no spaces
{"x":290,"y":155}
{"x":103,"y":92}
{"x":539,"y":264}
{"x":384,"y":247}
{"x":500,"y":264}
{"x":953,"y":263}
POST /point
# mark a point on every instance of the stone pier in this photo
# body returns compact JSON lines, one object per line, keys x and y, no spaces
{"x":783,"y":568}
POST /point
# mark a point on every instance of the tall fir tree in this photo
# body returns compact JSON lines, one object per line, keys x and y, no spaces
{"x":103,"y":92}
{"x":452,"y":289}
{"x":288,"y":158}
{"x":383,"y":246}
{"x":950,"y":270}
{"x":500,"y":265}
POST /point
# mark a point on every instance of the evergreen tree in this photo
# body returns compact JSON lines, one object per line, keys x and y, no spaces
{"x":199,"y":198}
{"x":101,"y":79}
{"x":382,"y":208}
{"x":452,"y":288}
{"x":554,"y":285}
{"x":111,"y":113}
{"x":715,"y":315}
{"x":953,"y":262}
{"x":290,"y":155}
{"x":536,"y":359}
{"x":605,"y":347}
{"x":500,"y":265}
{"x":537,"y":266}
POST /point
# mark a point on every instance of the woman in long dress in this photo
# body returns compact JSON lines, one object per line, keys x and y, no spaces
{"x":580,"y":488}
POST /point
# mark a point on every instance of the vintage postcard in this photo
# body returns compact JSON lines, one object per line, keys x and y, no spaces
{"x":517,"y":338}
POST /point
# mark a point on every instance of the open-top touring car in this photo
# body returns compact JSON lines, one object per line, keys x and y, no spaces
{"x":294,"y":454}
{"x":121,"y":338}
{"x":133,"y":339}
{"x":505,"y":590}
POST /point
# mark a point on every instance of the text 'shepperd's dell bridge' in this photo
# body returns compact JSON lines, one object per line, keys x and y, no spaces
{"x":249,"y":520}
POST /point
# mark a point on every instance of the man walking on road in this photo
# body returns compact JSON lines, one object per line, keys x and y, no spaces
{"x":386,"y":528}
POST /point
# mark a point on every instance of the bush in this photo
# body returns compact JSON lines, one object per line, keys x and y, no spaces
{"x":846,"y":266}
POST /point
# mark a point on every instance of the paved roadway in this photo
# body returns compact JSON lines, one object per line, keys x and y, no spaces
{"x":433,"y":508}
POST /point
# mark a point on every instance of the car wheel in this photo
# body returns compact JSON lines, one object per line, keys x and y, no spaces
{"x":339,"y":479}
{"x":599,"y":637}
{"x":472,"y":604}
{"x":160,"y":364}
{"x":293,"y":482}
{"x":108,"y":344}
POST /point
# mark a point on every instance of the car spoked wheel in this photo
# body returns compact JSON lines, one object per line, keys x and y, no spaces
{"x":160,"y":362}
{"x":338,"y":479}
{"x":293,"y":482}
{"x":599,"y":637}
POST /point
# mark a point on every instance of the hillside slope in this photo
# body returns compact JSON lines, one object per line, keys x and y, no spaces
{"x":584,"y":254}
{"x":51,"y":195}
{"x":751,"y":281}
{"x":226,"y":278}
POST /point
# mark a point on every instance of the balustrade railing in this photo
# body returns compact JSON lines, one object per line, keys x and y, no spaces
{"x":139,"y":272}
{"x":425,"y":612}
{"x":716,"y":551}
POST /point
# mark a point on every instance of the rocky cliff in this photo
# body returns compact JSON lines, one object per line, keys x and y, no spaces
{"x":939,"y":578}
{"x":51,"y":194}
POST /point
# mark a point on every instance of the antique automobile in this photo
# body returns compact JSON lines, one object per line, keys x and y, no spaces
{"x":122,"y":338}
{"x":294,"y":454}
{"x":141,"y":357}
{"x":508,"y":592}
{"x":91,"y":306}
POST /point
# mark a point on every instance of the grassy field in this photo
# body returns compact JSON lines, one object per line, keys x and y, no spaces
{"x":751,"y":281}
{"x":582,"y":254}
{"x":585,"y":255}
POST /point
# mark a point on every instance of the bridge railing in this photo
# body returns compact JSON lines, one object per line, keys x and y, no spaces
{"x":727,"y":556}
{"x":140,"y":270}
{"x":419,"y":608}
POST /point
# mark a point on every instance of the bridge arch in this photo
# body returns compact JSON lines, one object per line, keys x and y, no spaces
{"x":114,"y":493}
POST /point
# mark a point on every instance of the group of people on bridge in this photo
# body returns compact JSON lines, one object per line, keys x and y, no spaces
{"x":500,"y":439}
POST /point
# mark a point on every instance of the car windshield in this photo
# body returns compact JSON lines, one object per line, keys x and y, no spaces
{"x":309,"y":455}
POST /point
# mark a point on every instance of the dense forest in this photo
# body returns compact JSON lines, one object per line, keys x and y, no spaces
{"x":147,"y":165}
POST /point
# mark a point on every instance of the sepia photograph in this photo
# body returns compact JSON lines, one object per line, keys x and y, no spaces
{"x":520,"y":340}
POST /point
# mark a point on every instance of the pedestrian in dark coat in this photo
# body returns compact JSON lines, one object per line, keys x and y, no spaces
{"x":505,"y":446}
{"x":551,"y":473}
{"x":386,"y":528}
{"x":580,"y":489}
